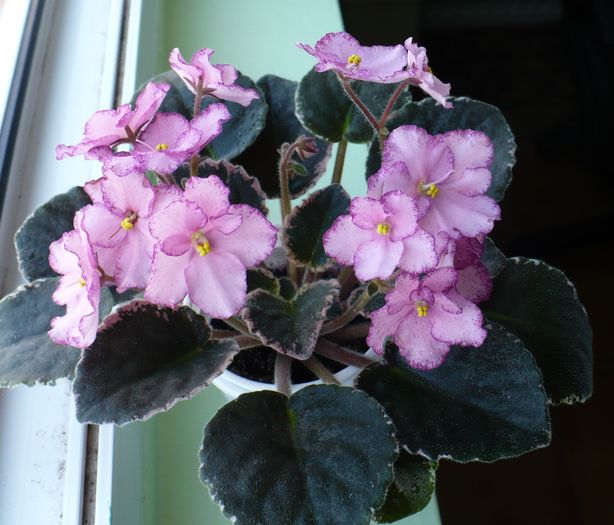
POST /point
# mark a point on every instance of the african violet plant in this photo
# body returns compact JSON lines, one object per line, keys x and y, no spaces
{"x":170,"y":272}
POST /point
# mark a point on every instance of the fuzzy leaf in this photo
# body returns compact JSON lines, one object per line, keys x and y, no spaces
{"x":325,"y":110}
{"x":537,"y":303}
{"x":292,"y":326}
{"x":244,"y":189}
{"x":27,"y":355}
{"x":492,"y":257}
{"x":260,"y":278}
{"x":239,"y":132}
{"x":466,"y":114}
{"x":411,"y":489}
{"x":262,"y":158}
{"x":45,"y":225}
{"x":322,"y":456}
{"x":144,"y":360}
{"x":481,"y":404}
{"x":309,"y":221}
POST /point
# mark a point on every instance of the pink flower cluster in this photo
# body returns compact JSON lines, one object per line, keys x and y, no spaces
{"x":341,"y":52}
{"x":422,"y":225}
{"x":170,"y":242}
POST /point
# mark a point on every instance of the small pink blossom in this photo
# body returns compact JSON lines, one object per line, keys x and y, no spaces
{"x":171,"y":139}
{"x":204,"y":247}
{"x":200,"y":76}
{"x":109,"y":128}
{"x":79,"y":288}
{"x":379,"y":235}
{"x":448,"y":174}
{"x":343,"y":53}
{"x":420,"y":74}
{"x":424,"y":317}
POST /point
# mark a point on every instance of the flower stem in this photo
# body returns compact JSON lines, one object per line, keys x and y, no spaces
{"x":238,"y":325}
{"x":342,"y":355}
{"x":283,"y":374}
{"x":314,"y":365}
{"x":284,"y":196}
{"x":347,"y":280}
{"x":351,"y":332}
{"x":343,"y":319}
{"x":247,"y":341}
{"x":345,"y":82}
{"x":198,"y":98}
{"x":397,"y":93}
{"x":339,"y":160}
{"x":222,"y":334}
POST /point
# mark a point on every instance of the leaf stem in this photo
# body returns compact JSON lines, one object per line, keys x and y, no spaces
{"x":238,"y":325}
{"x":339,"y":161}
{"x":342,"y":355}
{"x":247,"y":341}
{"x":198,"y":98}
{"x":283,"y":374}
{"x":347,"y":280}
{"x":343,"y":319}
{"x":216,"y":333}
{"x":351,"y":332}
{"x":315,"y":366}
{"x":284,"y":196}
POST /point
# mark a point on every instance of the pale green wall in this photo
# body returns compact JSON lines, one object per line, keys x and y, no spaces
{"x":156,"y":480}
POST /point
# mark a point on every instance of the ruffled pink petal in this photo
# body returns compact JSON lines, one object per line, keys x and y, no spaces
{"x":93,"y":190}
{"x":122,"y":164}
{"x":147,"y":103}
{"x":402,"y":293}
{"x":383,"y":325}
{"x":440,"y":280}
{"x":233,"y":93}
{"x":392,"y":177}
{"x":174,"y":227}
{"x":134,"y":259}
{"x":61,"y":260}
{"x":403,"y":214}
{"x":187,"y":72}
{"x":226,"y":223}
{"x":251,"y":242}
{"x":474,"y":283}
{"x":377,"y":258}
{"x":164,"y":195}
{"x":436,"y":89}
{"x":416,"y":344}
{"x":165,"y":161}
{"x":210,"y":194}
{"x":202,"y":60}
{"x":343,"y":238}
{"x":103,"y":226}
{"x":419,"y":253}
{"x":79,"y":325}
{"x":165,"y":128}
{"x":228,"y":72}
{"x":167,"y":286}
{"x":209,"y":123}
{"x":129,"y":194}
{"x":463,"y":328}
{"x":217,"y":284}
{"x":367,"y":213}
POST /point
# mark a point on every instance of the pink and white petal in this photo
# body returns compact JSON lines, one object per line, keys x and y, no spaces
{"x":382,"y":62}
{"x":466,"y":251}
{"x":464,"y":328}
{"x":189,"y":142}
{"x":107,"y":259}
{"x":167,"y":286}
{"x":343,"y":238}
{"x":122,"y":164}
{"x":471,"y":149}
{"x":209,"y":122}
{"x":217,"y":284}
{"x":474,"y":283}
{"x":165,"y":161}
{"x":93,"y":190}
{"x":340,"y":45}
{"x":129,"y":194}
{"x":102,"y":226}
{"x":164,"y":195}
{"x":419,"y":253}
{"x":383,"y":325}
{"x":165,"y":128}
{"x":210,"y":194}
{"x":226,"y":223}
{"x":228,"y":72}
{"x":202,"y":60}
{"x":441,"y":279}
{"x":61,"y":260}
{"x":391,"y":177}
{"x":175,"y":226}
{"x":233,"y":93}
{"x":251,"y":242}
{"x":187,"y":72}
{"x":401,"y":295}
{"x":403,"y":214}
{"x":416,"y":344}
{"x":134,"y":261}
{"x":437,"y":89}
{"x":147,"y":103}
{"x":377,"y":258}
{"x":470,"y":182}
{"x":367,"y":213}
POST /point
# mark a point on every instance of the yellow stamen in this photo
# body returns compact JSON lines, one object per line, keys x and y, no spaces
{"x":203,"y":248}
{"x":82,"y":282}
{"x":428,"y":69}
{"x":354,"y":60}
{"x":430,"y":190}
{"x":161,"y":147}
{"x":422,"y":309}
{"x":128,"y":223}
{"x":383,"y":228}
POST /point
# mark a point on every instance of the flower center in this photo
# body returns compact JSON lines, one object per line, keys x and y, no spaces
{"x":383,"y":228}
{"x":128,"y":222}
{"x":429,"y":190}
{"x":422,"y":308}
{"x":161,"y":147}
{"x":82,"y":282}
{"x":202,"y":244}
{"x":354,"y":60}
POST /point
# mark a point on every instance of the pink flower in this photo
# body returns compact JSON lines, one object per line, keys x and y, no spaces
{"x":448,"y":174}
{"x":379,"y":235}
{"x":171,"y":139}
{"x":205,"y":246}
{"x":343,"y":53}
{"x":109,"y":128}
{"x":424,"y":317}
{"x":200,"y":76}
{"x":420,"y":74}
{"x":79,"y":288}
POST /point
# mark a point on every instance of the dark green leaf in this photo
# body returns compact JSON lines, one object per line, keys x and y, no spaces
{"x":27,"y":355}
{"x":309,"y":221}
{"x":262,"y":158}
{"x":466,"y":114}
{"x":492,"y":257}
{"x":325,"y":110}
{"x":537,"y":303}
{"x":244,"y":189}
{"x":144,"y":360}
{"x":298,"y":169}
{"x":287,"y":289}
{"x":322,"y":456}
{"x":45,"y":225}
{"x":481,"y":404}
{"x":259,"y":278}
{"x":238,"y":133}
{"x":411,"y":489}
{"x":291,"y":326}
